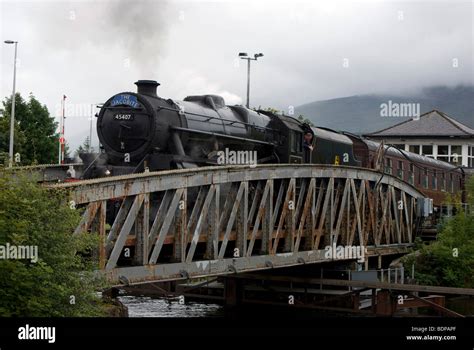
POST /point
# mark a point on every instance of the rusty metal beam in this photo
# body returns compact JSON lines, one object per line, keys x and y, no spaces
{"x":170,"y":213}
{"x":232,"y":266}
{"x":127,"y":226}
{"x":129,"y":185}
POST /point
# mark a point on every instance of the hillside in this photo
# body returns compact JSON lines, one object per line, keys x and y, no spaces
{"x":361,"y":113}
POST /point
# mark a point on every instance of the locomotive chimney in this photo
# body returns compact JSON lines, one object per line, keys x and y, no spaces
{"x":147,"y":87}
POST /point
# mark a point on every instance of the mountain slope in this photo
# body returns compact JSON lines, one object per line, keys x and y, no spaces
{"x":362,"y":113}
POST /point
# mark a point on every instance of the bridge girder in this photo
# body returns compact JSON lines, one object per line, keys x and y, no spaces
{"x":221,"y":220}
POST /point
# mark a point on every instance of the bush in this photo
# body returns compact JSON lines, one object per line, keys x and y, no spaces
{"x":61,"y":282}
{"x":449,"y":261}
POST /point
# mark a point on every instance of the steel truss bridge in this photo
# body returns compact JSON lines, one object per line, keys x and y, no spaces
{"x":170,"y":225}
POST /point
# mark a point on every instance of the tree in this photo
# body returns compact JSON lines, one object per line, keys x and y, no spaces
{"x":449,"y":261}
{"x":67,"y":151}
{"x":36,"y":139}
{"x":61,"y":282}
{"x":84,"y":148}
{"x":302,"y":119}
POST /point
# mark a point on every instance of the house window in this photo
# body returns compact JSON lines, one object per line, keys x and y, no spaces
{"x":443,"y":153}
{"x":414,"y":149}
{"x":411,"y":178}
{"x":427,"y":150}
{"x":443,"y":181}
{"x":451,"y":185}
{"x":399,"y":146}
{"x":470,"y":158}
{"x":400,"y":169}
{"x":425,"y":179}
{"x":388,"y":166}
{"x":455,"y":156}
{"x":434,"y":181}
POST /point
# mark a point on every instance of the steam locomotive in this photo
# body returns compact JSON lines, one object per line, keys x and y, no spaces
{"x":141,"y":130}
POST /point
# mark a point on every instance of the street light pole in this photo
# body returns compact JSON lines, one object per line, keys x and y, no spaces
{"x":248,"y":83}
{"x":244,"y":56}
{"x":12,"y":117}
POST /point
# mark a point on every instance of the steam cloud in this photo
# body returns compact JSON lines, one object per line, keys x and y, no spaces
{"x":140,"y":26}
{"x":135,"y":29}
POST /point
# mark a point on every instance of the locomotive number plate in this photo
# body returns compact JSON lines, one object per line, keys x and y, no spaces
{"x":123,"y":116}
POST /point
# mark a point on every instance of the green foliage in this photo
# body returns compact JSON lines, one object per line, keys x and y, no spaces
{"x":450,"y":260}
{"x":85,"y":147}
{"x":35,"y":131}
{"x":31,"y":215}
{"x":302,"y":119}
{"x":273,"y":110}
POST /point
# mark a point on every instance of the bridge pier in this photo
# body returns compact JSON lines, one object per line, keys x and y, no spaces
{"x":233,"y":292}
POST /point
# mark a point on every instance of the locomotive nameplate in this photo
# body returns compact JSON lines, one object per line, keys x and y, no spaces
{"x":125,"y":100}
{"x":123,"y":116}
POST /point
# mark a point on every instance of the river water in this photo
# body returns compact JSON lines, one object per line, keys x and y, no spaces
{"x":142,"y":306}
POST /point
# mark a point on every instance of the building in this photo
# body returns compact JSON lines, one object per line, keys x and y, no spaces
{"x":434,"y":134}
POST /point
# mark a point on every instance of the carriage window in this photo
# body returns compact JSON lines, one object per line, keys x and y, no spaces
{"x":388,"y":166}
{"x":425,"y":179}
{"x":411,"y":178}
{"x":443,"y":182}
{"x":434,"y":181}
{"x":400,"y":169}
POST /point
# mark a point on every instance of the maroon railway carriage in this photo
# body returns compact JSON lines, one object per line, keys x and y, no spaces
{"x":432,"y":177}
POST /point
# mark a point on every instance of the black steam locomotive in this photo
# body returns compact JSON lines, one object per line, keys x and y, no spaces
{"x":142,"y":131}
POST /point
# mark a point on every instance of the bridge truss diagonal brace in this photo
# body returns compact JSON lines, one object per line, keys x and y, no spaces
{"x":233,"y":215}
{"x":170,"y":214}
{"x":127,"y":226}
{"x":201,"y":219}
{"x":264,"y":207}
{"x":87,"y":217}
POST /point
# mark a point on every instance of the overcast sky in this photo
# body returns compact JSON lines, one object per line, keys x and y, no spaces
{"x":90,"y":50}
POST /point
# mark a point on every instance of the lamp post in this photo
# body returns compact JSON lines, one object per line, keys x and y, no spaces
{"x":62,"y":140}
{"x":12,"y":117}
{"x":244,"y":56}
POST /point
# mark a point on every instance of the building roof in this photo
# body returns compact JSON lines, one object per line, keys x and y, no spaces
{"x":430,"y":124}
